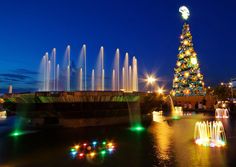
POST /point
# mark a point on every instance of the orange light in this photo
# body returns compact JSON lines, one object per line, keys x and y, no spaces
{"x":76,"y":147}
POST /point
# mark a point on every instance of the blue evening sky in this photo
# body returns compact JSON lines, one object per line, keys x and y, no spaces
{"x":148,"y":29}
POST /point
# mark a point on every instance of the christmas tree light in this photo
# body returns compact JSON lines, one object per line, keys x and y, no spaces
{"x":188,"y":80}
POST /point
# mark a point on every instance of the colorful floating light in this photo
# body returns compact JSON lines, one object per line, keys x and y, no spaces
{"x":210,"y":134}
{"x":92,"y":150}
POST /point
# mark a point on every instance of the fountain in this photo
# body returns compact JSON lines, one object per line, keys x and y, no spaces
{"x":92,"y":80}
{"x":221,"y":113}
{"x":100,"y":70}
{"x":82,"y":71}
{"x":157,"y":116}
{"x":81,"y":79}
{"x":68,"y":68}
{"x":53,"y":57}
{"x":135,"y":75}
{"x":210,"y":134}
{"x":126,"y":76}
{"x":116,"y":68}
{"x":55,"y":78}
{"x":113,"y":80}
{"x":176,"y":111}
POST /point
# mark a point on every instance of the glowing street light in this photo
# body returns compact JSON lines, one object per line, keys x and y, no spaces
{"x":150,"y":79}
{"x":160,"y":90}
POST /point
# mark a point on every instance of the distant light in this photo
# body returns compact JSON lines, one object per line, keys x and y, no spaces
{"x":110,"y":144}
{"x":92,"y":154}
{"x":104,"y":143}
{"x":224,"y":105}
{"x":110,"y":150}
{"x":103,"y":152}
{"x":150,"y":79}
{"x":73,"y":153}
{"x":94,"y":142}
{"x":186,"y":74}
{"x":76,"y":146}
{"x":194,"y":60}
{"x":160,"y":91}
{"x":72,"y":150}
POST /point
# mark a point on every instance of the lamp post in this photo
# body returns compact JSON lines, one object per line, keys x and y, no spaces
{"x":160,"y":91}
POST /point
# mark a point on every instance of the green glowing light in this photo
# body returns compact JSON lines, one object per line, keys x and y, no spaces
{"x":72,"y":150}
{"x":104,"y":143}
{"x":103,"y":152}
{"x":137,"y":128}
{"x":175,"y":117}
{"x":16,"y":133}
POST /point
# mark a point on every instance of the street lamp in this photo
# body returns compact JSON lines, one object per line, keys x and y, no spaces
{"x":160,"y":91}
{"x":150,"y":80}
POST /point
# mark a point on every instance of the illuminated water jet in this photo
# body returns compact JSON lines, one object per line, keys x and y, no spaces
{"x":157,"y":116}
{"x":55,"y":78}
{"x":221,"y":113}
{"x":210,"y":134}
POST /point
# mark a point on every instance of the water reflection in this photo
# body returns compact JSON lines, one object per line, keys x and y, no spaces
{"x":165,"y":143}
{"x":162,"y":134}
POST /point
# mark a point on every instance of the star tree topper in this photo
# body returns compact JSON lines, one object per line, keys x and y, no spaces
{"x":184,"y":12}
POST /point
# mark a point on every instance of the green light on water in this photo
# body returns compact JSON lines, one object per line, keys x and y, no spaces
{"x":175,"y":117}
{"x":16,"y":133}
{"x":137,"y":128}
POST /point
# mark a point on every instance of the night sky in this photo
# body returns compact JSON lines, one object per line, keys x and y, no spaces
{"x":148,"y":29}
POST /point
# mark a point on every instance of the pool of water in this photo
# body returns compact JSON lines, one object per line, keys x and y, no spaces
{"x":168,"y":142}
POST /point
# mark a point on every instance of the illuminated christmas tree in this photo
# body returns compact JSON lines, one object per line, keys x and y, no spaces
{"x":188,"y":81}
